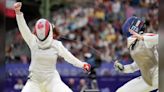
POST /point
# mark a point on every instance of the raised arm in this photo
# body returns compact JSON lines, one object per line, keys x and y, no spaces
{"x":23,"y":28}
{"x":63,"y":52}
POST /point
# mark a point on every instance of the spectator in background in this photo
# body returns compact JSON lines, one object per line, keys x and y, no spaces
{"x":24,"y":59}
{"x":144,"y":3}
{"x":19,"y":46}
{"x":71,"y":84}
{"x":129,"y":10}
{"x":19,"y":85}
{"x":99,"y":13}
{"x":116,"y":7}
{"x":82,"y":85}
{"x":8,"y":53}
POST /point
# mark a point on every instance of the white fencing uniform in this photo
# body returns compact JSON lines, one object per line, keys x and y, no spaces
{"x":145,"y":56}
{"x":43,"y":75}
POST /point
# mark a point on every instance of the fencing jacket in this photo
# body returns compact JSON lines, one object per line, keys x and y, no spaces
{"x":144,"y":53}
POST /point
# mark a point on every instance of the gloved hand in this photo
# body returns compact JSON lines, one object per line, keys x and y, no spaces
{"x":118,"y":66}
{"x":87,"y":67}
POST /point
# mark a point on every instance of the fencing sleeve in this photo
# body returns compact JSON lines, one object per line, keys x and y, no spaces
{"x":63,"y":52}
{"x":24,"y":29}
{"x":130,"y":68}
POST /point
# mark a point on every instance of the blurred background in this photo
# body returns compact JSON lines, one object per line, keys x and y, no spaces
{"x":92,"y":32}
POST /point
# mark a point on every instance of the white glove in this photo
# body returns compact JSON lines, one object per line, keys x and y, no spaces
{"x":118,"y":66}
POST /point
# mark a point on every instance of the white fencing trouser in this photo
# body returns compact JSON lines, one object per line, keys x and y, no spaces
{"x":139,"y":85}
{"x":54,"y":84}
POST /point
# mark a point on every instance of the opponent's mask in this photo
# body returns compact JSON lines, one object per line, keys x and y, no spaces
{"x":134,"y":23}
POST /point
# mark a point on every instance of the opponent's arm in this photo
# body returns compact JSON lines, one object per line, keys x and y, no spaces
{"x":24,"y":29}
{"x":130,"y":68}
{"x":63,"y":52}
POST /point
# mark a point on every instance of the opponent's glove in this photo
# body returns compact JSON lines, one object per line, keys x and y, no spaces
{"x":118,"y":66}
{"x":87,"y":67}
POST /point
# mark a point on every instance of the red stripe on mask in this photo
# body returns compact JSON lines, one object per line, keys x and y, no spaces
{"x":47,"y":28}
